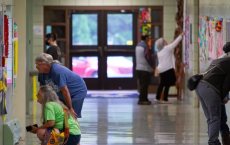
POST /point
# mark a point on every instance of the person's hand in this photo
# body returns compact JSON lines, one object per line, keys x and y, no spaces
{"x":34,"y":129}
{"x":225,"y":102}
{"x":182,"y":34}
{"x":72,"y":112}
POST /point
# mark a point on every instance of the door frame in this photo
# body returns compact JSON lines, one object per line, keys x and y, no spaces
{"x":69,"y":9}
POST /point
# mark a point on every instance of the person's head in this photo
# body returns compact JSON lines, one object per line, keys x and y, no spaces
{"x":160,"y":43}
{"x":43,"y":62}
{"x":51,"y":39}
{"x":145,"y":38}
{"x":226,"y":47}
{"x":45,"y":95}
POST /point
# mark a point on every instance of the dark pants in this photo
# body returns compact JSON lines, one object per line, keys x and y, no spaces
{"x":144,"y":79}
{"x":167,"y":79}
{"x":166,"y":91}
{"x":211,"y":104}
{"x":73,"y":139}
{"x":224,"y":118}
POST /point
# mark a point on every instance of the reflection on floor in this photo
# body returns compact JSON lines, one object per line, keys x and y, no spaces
{"x":119,"y":121}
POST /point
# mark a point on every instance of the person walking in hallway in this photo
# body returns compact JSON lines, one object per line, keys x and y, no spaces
{"x":212,"y":91}
{"x":70,"y":87}
{"x":144,"y":65}
{"x":166,"y":66}
{"x":53,"y":49}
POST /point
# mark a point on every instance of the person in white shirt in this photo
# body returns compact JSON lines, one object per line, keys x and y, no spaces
{"x":144,"y":64}
{"x":166,"y":66}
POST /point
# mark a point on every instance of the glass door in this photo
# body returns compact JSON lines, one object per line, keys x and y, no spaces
{"x":85,"y":47}
{"x":102,"y":48}
{"x":120,"y":39}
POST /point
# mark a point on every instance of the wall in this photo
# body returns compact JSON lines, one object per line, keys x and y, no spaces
{"x":220,"y":8}
{"x":169,"y":14}
{"x":191,"y":10}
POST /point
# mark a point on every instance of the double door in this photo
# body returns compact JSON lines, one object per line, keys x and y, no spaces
{"x":102,"y":48}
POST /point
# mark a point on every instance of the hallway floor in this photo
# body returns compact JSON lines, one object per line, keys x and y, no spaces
{"x":120,"y":121}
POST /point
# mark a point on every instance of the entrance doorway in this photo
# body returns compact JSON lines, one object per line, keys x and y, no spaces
{"x":102,"y":48}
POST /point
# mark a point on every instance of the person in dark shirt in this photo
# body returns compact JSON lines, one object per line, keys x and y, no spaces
{"x":53,"y":50}
{"x":212,"y":92}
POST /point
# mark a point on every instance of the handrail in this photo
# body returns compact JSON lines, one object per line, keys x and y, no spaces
{"x":33,"y":73}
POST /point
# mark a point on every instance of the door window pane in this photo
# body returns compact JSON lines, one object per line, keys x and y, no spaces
{"x":119,"y":66}
{"x":85,"y":66}
{"x":61,"y":45}
{"x":156,"y":32}
{"x":84,"y":29}
{"x":120,"y":29}
{"x":52,"y":16}
{"x":60,"y":30}
{"x":156,"y":16}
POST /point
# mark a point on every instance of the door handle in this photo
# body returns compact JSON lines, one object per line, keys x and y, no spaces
{"x":100,"y":50}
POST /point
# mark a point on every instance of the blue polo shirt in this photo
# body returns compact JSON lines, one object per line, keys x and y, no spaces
{"x":60,"y":76}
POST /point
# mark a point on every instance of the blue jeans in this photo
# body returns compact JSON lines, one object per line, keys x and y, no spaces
{"x":223,"y":120}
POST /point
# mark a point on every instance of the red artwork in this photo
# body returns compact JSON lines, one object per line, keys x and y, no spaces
{"x":145,"y":15}
{"x":6,"y":35}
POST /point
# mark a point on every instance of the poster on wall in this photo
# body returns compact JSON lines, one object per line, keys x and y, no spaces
{"x":211,"y":39}
{"x":219,"y":37}
{"x":228,"y":31}
{"x":145,"y":15}
{"x":187,"y":27}
{"x":202,"y":40}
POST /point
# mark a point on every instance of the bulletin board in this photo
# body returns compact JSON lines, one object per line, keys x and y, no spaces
{"x":228,"y":31}
{"x":187,"y":35}
{"x":219,"y":37}
{"x":203,"y":52}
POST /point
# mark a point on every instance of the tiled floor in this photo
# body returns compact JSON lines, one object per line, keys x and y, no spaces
{"x":118,"y":121}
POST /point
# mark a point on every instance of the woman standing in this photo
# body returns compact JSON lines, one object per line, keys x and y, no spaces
{"x":53,"y":49}
{"x":166,"y":66}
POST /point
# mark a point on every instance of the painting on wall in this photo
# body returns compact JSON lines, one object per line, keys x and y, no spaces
{"x":211,"y":39}
{"x":228,"y":31}
{"x":187,"y":31}
{"x":202,"y":40}
{"x":219,"y":39}
{"x":145,"y":15}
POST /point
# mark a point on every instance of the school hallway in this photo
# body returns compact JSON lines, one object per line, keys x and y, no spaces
{"x":120,"y":121}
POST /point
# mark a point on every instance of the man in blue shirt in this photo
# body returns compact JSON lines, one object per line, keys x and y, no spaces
{"x":69,"y":86}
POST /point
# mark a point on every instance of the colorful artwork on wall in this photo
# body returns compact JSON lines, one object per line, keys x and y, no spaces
{"x":211,"y":39}
{"x":228,"y":31}
{"x":219,"y":40}
{"x":145,"y":15}
{"x":202,"y":40}
{"x":146,"y":28}
{"x":15,"y":29}
{"x":187,"y":31}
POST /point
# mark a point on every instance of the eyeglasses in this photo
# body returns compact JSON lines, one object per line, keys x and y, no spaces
{"x":38,"y":65}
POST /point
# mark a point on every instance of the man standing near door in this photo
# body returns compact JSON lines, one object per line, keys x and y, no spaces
{"x":144,"y":65}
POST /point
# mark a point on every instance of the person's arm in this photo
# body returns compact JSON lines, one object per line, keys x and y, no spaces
{"x":172,"y":45}
{"x":61,"y":81}
{"x":225,"y":87}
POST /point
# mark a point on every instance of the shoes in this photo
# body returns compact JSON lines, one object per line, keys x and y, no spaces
{"x":166,"y":102}
{"x":156,"y":100}
{"x":225,"y":138}
{"x":144,"y":103}
{"x":162,"y":102}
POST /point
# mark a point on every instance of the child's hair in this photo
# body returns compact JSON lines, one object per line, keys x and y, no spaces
{"x":226,"y":47}
{"x":53,"y":36}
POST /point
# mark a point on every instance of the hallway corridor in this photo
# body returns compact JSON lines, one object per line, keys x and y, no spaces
{"x":119,"y":121}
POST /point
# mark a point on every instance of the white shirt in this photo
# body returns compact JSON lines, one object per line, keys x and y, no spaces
{"x":141,"y":62}
{"x":166,"y":57}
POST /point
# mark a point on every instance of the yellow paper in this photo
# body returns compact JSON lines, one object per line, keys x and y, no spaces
{"x":15,"y":57}
{"x":34,"y":99}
